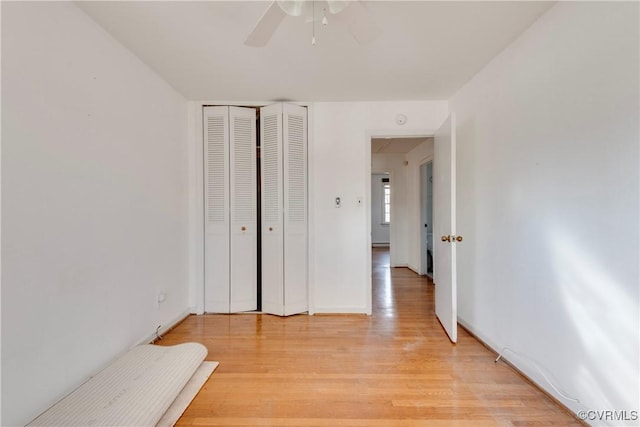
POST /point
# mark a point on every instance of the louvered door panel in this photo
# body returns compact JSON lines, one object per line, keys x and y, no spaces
{"x":243,"y":199}
{"x":272,"y":206}
{"x":216,"y":203}
{"x":295,"y":208}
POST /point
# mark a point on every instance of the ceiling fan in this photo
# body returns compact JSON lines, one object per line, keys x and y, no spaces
{"x":352,"y":12}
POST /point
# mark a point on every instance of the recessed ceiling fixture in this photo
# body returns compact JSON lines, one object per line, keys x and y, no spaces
{"x":353,"y":13}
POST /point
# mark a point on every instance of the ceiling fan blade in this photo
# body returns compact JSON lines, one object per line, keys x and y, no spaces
{"x":293,"y":7}
{"x":337,"y":6}
{"x":360,"y":22}
{"x":266,"y":26}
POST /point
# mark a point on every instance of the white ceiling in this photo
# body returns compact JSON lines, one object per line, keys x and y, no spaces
{"x":428,"y":50}
{"x":395,"y":145}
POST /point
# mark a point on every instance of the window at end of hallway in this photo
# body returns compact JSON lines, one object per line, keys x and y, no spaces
{"x":386,"y":201}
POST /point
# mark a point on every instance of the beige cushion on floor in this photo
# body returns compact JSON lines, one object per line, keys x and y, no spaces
{"x":135,"y":390}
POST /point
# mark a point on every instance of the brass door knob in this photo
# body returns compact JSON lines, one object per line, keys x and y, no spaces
{"x":445,"y":238}
{"x":270,"y":228}
{"x":243,"y":228}
{"x":458,"y":238}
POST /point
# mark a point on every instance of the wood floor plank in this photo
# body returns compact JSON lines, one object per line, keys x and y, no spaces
{"x":394,"y":368}
{"x":332,"y":422}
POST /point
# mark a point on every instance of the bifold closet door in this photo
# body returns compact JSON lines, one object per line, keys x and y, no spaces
{"x":272,"y":209}
{"x":244,"y":221}
{"x":216,"y":209}
{"x":294,"y":150}
{"x":284,"y":209}
{"x":230,"y":209}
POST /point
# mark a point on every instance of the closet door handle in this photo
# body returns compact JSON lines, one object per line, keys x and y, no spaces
{"x":243,"y":228}
{"x":270,"y":228}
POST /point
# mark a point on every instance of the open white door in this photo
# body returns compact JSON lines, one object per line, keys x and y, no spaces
{"x":444,"y":221}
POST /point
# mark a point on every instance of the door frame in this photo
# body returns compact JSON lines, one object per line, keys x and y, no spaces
{"x":422,"y":248}
{"x":195,"y":186}
{"x":369,"y":135}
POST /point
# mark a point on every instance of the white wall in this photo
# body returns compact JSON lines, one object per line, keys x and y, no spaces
{"x":415,"y":158}
{"x":340,"y":160}
{"x":379,"y":230}
{"x":94,"y":203}
{"x":548,"y":202}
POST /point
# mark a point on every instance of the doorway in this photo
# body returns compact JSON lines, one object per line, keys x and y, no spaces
{"x":426,"y":215}
{"x":441,"y":152}
{"x":391,"y":196}
{"x":393,"y":205}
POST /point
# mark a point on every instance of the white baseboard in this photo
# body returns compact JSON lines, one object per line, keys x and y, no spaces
{"x":194,"y":310}
{"x":380,"y":245}
{"x":164,"y":328}
{"x":493,"y":346}
{"x":412,"y":268}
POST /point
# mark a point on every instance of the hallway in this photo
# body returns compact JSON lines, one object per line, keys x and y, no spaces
{"x":394,"y":368}
{"x":399,"y":291}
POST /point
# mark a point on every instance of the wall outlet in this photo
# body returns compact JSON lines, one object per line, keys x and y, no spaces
{"x":338,"y":202}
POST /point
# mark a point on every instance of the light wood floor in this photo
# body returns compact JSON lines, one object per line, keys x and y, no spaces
{"x":394,"y":368}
